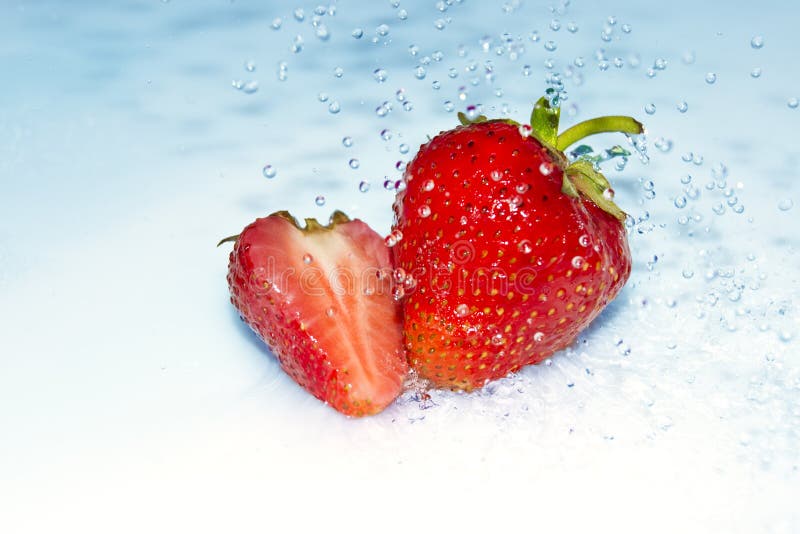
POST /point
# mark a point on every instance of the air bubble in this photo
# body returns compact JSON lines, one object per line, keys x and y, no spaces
{"x":403,"y":148}
{"x":608,"y":194}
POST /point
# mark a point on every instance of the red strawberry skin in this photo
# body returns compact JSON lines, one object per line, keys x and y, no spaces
{"x":509,"y":269}
{"x":320,"y":298}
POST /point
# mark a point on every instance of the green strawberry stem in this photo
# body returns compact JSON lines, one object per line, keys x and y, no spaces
{"x":610,"y":123}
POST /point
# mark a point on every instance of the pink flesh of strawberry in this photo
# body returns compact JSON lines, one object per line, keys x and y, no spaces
{"x":322,"y":278}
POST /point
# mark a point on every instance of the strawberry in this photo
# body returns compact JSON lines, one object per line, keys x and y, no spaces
{"x":321,"y":298}
{"x":514,"y":249}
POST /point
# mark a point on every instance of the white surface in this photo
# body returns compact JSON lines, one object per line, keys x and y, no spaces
{"x":133,"y":399}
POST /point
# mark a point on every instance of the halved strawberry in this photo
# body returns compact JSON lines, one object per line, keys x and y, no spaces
{"x":321,"y":298}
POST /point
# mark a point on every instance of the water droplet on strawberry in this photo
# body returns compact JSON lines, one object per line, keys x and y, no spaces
{"x":608,"y":194}
{"x":330,"y":312}
{"x":398,"y":292}
{"x":538,"y":337}
{"x":428,"y":185}
{"x":498,"y":339}
{"x":307,"y":258}
{"x":525,"y":246}
{"x":496,"y":175}
{"x":546,"y":168}
{"x":462,"y":310}
{"x":578,"y":262}
{"x":424,"y":211}
{"x":399,"y":275}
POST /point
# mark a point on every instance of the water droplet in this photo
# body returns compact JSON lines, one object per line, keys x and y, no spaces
{"x":420,"y":72}
{"x":382,"y":30}
{"x":347,"y":141}
{"x":572,"y":27}
{"x":427,"y":185}
{"x":403,"y":148}
{"x":650,"y":108}
{"x":354,"y":163}
{"x":249,"y":65}
{"x":792,"y":103}
{"x":440,"y":24}
{"x":358,"y":33}
{"x":584,"y":240}
{"x":538,"y":337}
{"x":299,"y":14}
{"x":363,"y":186}
{"x":711,"y":78}
{"x":578,"y":261}
{"x":682,"y":106}
{"x":462,"y":310}
{"x":380,"y":75}
{"x":424,"y":211}
{"x":785,"y":204}
{"x":330,"y":312}
{"x":402,"y":14}
{"x":757,"y":42}
{"x":626,"y":28}
{"x":398,"y":292}
{"x":546,"y":168}
{"x":307,"y":258}
{"x":320,"y":200}
{"x":334,"y":107}
{"x":386,"y":134}
{"x":550,"y":46}
{"x":399,"y":275}
{"x":277,"y":23}
{"x":269,"y":171}
{"x":555,"y":25}
{"x":498,"y":339}
{"x":338,"y":72}
{"x":449,"y":106}
{"x":756,"y":72}
{"x":608,"y":194}
{"x":525,"y":246}
{"x":680,"y":202}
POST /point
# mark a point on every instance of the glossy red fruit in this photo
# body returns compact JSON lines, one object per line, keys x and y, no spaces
{"x":320,"y":297}
{"x":511,"y":257}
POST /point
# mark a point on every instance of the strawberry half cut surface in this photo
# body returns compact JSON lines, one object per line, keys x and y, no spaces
{"x":515,"y":248}
{"x":321,"y":298}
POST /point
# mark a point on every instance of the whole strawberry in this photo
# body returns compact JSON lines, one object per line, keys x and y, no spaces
{"x":321,"y":298}
{"x":513,"y":249}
